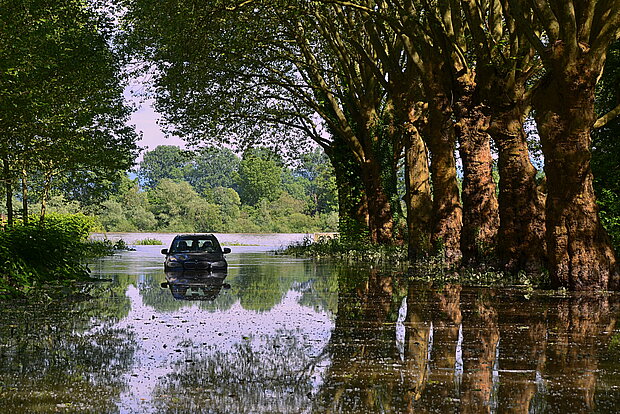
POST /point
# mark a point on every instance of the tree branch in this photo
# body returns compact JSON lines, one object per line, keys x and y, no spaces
{"x":602,"y":121}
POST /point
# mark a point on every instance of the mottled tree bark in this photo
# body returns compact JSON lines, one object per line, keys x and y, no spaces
{"x":521,"y":205}
{"x":480,"y":207}
{"x":447,"y":219}
{"x":580,"y":253}
{"x":418,"y":195}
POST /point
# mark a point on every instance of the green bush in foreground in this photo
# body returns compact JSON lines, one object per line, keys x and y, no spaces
{"x":33,"y":254}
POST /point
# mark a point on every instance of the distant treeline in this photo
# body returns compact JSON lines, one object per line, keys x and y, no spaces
{"x":211,"y":190}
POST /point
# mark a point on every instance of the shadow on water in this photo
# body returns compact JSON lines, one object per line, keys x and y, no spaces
{"x":279,"y":334}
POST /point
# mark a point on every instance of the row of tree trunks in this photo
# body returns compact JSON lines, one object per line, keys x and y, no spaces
{"x":576,"y":246}
{"x":579,"y":251}
{"x":480,"y":208}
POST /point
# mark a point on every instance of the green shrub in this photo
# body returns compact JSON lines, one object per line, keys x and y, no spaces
{"x":34,"y":254}
{"x":609,"y":203}
{"x":148,"y":242}
{"x":360,"y":252}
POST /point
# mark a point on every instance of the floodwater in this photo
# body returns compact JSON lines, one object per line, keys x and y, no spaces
{"x":278,"y":334}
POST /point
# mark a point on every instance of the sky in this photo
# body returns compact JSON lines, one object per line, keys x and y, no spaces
{"x":145,"y":119}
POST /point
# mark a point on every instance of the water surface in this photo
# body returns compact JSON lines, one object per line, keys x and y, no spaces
{"x":278,"y":334}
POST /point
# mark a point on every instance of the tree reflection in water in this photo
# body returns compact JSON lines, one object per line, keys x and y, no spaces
{"x":366,"y":372}
{"x":65,"y":355}
{"x":468,"y":350}
{"x":295,"y":336}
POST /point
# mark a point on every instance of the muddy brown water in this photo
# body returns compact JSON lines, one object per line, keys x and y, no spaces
{"x":278,"y":334}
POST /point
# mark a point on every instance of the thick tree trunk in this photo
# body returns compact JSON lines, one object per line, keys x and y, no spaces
{"x":580,"y":253}
{"x":448,"y":219}
{"x":480,"y":207}
{"x":418,"y":195}
{"x":352,"y":202}
{"x":521,"y":205}
{"x":380,"y":217}
{"x":8,"y":191}
{"x":25,"y":213}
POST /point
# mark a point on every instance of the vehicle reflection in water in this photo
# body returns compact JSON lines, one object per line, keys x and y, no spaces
{"x":195,"y":285}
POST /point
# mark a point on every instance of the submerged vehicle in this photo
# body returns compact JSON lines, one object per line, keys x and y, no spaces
{"x":195,"y":252}
{"x":195,"y":285}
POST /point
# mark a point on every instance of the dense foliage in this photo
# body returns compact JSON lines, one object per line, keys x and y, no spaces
{"x":62,"y":111}
{"x":606,"y":147}
{"x":32,"y":254}
{"x":379,"y":83}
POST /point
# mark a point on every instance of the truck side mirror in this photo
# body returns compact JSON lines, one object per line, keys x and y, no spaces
{"x":226,"y":250}
{"x":164,"y":251}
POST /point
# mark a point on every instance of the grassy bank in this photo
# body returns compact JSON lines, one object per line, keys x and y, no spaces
{"x":56,"y":251}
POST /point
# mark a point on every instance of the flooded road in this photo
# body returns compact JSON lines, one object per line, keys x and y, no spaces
{"x":278,"y":334}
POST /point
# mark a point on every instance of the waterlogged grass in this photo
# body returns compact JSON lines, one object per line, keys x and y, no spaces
{"x":358,"y":252}
{"x":148,"y":242}
{"x":429,"y":269}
